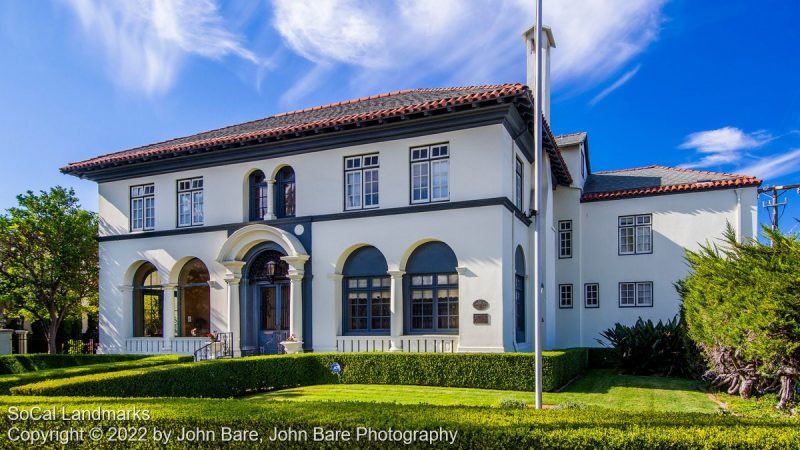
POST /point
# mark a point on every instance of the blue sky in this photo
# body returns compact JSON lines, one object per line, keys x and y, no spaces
{"x":710,"y":85}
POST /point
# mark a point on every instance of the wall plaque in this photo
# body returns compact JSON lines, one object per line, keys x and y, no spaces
{"x":480,"y":304}
{"x":480,"y":319}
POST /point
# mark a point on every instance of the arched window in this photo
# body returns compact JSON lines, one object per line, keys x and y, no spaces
{"x":285,"y":192}
{"x":431,"y":290}
{"x":148,"y":302}
{"x":366,"y":293}
{"x":258,"y":195}
{"x":194,"y":306}
{"x":519,"y":293}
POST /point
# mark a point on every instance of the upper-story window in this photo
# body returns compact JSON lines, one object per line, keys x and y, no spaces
{"x":518,"y":180}
{"x":361,"y":182}
{"x":143,"y":207}
{"x":258,"y":188}
{"x":285,"y":192}
{"x":430,"y":173}
{"x":565,"y":296}
{"x":565,"y":239}
{"x":190,"y":202}
{"x":636,"y":234}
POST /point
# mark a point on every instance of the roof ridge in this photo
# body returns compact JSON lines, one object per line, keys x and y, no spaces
{"x":569,"y":134}
{"x":676,"y":169}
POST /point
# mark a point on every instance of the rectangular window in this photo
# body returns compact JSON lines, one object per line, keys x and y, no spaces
{"x":636,"y":294}
{"x":591,"y":295}
{"x":565,"y":239}
{"x":361,"y":182}
{"x":143,"y":207}
{"x":430,"y":173}
{"x":519,"y":302}
{"x":190,"y":202}
{"x":368,"y":305}
{"x":635,"y":234}
{"x":565,"y":296}
{"x":518,"y":182}
{"x":434,"y":303}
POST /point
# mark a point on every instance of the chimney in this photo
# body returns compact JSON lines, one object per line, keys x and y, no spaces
{"x":530,"y":48}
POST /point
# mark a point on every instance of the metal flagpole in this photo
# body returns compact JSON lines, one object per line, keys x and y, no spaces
{"x":537,"y":199}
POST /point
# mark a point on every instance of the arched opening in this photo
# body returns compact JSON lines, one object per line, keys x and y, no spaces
{"x":257,"y":190}
{"x":266,"y":308}
{"x":519,"y":294}
{"x":285,"y":192}
{"x":366,"y":293}
{"x":431,"y":290}
{"x":194,"y":300}
{"x":148,"y":302}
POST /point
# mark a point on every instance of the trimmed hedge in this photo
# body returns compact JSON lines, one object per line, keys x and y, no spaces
{"x":477,"y":427}
{"x":240,"y":376}
{"x":9,"y":381}
{"x":32,"y":362}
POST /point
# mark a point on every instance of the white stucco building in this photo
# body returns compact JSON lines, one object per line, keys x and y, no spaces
{"x":396,"y":222}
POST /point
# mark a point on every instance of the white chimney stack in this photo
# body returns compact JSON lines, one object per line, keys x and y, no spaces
{"x":530,"y":48}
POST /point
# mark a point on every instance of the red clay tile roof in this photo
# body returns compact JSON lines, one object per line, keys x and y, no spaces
{"x":373,"y":110}
{"x":658,"y":180}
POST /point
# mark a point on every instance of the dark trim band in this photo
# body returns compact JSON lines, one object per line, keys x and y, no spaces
{"x":421,"y":208}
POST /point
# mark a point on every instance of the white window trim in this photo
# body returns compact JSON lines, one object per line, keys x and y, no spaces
{"x":561,"y":239}
{"x":586,"y":295}
{"x":191,"y":192}
{"x":635,"y":227}
{"x":429,"y":160}
{"x":142,"y":198}
{"x":362,"y":169}
{"x":561,"y":304}
{"x":636,"y":302}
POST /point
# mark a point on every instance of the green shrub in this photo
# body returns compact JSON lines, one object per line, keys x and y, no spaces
{"x":495,"y":428}
{"x":22,"y":363}
{"x":649,"y":348}
{"x":513,"y":403}
{"x":236,"y":377}
{"x":602,"y":358}
{"x":9,"y":381}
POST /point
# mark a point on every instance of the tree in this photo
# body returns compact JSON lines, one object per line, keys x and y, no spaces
{"x":742,"y":307}
{"x":48,"y":258}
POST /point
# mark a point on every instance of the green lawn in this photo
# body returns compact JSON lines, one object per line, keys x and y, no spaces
{"x":599,"y":388}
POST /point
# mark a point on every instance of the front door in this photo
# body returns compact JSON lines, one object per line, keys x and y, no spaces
{"x":274,"y":317}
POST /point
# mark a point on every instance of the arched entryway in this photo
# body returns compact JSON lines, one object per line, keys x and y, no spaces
{"x":266,"y":266}
{"x":266,"y":300}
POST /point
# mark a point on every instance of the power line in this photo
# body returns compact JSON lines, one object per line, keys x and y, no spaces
{"x":775,"y":193}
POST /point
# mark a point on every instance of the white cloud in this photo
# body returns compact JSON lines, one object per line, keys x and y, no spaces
{"x":615,"y":85}
{"x":723,"y":145}
{"x":145,"y":42}
{"x":469,"y":41}
{"x":774,"y":166}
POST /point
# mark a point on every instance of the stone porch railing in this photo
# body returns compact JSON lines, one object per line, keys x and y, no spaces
{"x":413,"y":344}
{"x":159,"y":345}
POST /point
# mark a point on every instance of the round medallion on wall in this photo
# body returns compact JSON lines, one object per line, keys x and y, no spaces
{"x":480,"y":304}
{"x":299,"y":229}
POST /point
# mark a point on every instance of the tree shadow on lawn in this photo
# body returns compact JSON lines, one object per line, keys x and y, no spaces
{"x":601,"y":381}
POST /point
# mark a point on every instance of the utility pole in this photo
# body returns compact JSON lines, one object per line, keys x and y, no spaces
{"x":537,"y":251}
{"x":775,"y":193}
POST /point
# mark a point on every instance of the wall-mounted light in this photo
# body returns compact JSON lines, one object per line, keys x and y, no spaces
{"x":271,"y":271}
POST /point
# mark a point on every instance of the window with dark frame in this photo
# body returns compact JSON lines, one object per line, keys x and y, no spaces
{"x":636,"y":294}
{"x":519,"y":302}
{"x":591,"y":295}
{"x":361,"y":186}
{"x":434,"y":302}
{"x":430,"y":173}
{"x":519,"y":179}
{"x":142,"y":203}
{"x":565,"y":296}
{"x":259,"y":195}
{"x":285,"y":193}
{"x":190,"y":202}
{"x":367,"y":305}
{"x":565,"y":239}
{"x":635,"y":234}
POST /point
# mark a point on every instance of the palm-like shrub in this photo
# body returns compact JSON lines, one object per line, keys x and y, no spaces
{"x":648,"y":348}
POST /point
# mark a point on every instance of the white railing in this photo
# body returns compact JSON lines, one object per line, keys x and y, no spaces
{"x":157,"y":345}
{"x":414,"y":344}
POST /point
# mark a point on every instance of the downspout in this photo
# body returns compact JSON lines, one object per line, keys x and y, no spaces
{"x":738,"y":215}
